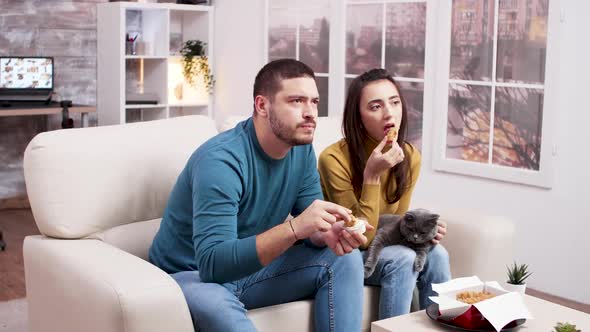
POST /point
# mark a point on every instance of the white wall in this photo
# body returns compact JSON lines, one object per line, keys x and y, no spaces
{"x":552,"y":225}
{"x":239,"y":54}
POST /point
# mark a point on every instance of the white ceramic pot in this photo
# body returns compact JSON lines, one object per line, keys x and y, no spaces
{"x":515,"y":288}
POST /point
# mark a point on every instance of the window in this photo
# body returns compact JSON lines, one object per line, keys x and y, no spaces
{"x":391,"y":35}
{"x":301,"y":30}
{"x":484,"y":68}
{"x":493,"y":69}
{"x":368,"y":34}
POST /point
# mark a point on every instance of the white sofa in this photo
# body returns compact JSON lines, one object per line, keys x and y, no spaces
{"x":97,"y":195}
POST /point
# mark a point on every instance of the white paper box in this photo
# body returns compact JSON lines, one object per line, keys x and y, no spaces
{"x":500,"y":310}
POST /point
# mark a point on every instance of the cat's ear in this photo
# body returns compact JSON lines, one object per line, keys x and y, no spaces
{"x":432,"y":222}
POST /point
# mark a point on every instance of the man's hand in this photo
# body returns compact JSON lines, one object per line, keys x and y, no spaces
{"x":318,"y":217}
{"x":442,"y":231}
{"x":341,"y":241}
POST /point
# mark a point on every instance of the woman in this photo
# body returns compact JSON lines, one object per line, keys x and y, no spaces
{"x":371,"y":176}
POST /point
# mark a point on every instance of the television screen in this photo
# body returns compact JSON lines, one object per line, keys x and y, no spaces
{"x":26,"y":73}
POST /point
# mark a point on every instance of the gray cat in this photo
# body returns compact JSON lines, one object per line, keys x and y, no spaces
{"x":415,"y":230}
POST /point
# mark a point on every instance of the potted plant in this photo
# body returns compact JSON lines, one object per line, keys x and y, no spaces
{"x":565,"y":327}
{"x":195,"y":62}
{"x":517,"y":274}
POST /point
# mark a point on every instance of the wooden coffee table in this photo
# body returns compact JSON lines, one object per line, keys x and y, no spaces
{"x":546,"y":315}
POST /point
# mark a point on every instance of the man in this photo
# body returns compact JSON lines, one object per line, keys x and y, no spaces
{"x":222,"y":236}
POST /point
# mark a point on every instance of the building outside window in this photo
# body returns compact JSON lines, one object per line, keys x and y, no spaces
{"x":494,"y":87}
{"x":301,"y":30}
{"x":486,"y":78}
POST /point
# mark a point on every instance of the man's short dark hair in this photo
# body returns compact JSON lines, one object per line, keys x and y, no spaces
{"x":268,"y":80}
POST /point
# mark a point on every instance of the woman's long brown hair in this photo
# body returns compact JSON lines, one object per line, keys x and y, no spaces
{"x":354,"y":134}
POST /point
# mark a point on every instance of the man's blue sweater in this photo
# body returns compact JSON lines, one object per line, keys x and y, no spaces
{"x":230,"y":191}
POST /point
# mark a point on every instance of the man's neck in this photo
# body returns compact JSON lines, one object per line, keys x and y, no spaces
{"x":269,"y":142}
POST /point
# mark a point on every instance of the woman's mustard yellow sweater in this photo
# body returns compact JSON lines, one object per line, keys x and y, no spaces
{"x":336,"y":179}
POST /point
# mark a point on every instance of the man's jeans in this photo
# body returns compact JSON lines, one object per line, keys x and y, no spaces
{"x":336,"y":284}
{"x":395,"y":274}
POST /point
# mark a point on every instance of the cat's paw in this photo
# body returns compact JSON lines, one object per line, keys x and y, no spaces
{"x":419,"y":264}
{"x":369,"y":270}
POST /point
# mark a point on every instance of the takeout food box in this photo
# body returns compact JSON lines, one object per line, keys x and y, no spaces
{"x":498,"y":311}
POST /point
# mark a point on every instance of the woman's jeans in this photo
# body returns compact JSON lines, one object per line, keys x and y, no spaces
{"x":336,"y":284}
{"x":395,"y":274}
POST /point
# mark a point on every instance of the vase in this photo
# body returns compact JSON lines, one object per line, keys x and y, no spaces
{"x":515,"y":288}
{"x":178,"y":91}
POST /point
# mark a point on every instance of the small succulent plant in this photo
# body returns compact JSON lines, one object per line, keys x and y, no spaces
{"x":565,"y":327}
{"x":518,"y":273}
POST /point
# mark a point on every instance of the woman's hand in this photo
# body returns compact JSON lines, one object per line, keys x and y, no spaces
{"x":442,"y":231}
{"x":380,"y":161}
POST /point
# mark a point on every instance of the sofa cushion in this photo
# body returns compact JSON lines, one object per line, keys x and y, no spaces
{"x":134,"y":238}
{"x":82,"y":181}
{"x":298,"y":315}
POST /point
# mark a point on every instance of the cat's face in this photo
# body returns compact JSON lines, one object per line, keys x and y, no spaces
{"x":419,"y":226}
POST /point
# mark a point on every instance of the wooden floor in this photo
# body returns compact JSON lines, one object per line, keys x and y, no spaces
{"x":18,"y":223}
{"x":15,"y":225}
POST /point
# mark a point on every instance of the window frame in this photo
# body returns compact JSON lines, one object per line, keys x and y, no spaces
{"x":544,"y":176}
{"x":436,"y":88}
{"x":337,"y":66}
{"x":334,"y":43}
{"x":426,"y":80}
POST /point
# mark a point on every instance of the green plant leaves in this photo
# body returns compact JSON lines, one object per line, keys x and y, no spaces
{"x":566,"y":327}
{"x":195,"y":62}
{"x":517,"y":274}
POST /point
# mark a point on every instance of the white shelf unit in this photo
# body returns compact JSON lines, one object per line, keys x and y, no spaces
{"x":155,"y":68}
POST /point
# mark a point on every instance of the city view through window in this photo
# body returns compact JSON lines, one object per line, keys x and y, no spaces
{"x":496,"y":74}
{"x":390,"y":35}
{"x":301,"y":30}
{"x":496,"y":85}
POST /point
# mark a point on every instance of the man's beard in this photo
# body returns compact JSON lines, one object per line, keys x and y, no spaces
{"x":283,"y":132}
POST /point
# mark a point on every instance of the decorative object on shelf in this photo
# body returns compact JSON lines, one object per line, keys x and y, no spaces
{"x":178,"y":91}
{"x":130,"y":44}
{"x":517,"y":274}
{"x":565,"y":327}
{"x":194,"y":2}
{"x":175,"y":43}
{"x":195,"y":62}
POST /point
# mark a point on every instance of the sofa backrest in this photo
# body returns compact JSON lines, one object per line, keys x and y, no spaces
{"x":328,"y":131}
{"x":83,"y":181}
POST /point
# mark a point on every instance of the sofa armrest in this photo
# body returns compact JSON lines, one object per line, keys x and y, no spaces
{"x":88,"y":285}
{"x":478,"y":245}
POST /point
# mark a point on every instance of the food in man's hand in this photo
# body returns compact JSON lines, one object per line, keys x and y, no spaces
{"x":352,"y":222}
{"x":392,"y":134}
{"x":473,"y":297}
{"x":356,"y":225}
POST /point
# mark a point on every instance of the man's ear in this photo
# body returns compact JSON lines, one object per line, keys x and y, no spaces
{"x":261,"y":105}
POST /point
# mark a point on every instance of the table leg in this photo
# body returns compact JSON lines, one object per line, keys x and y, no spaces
{"x":2,"y":243}
{"x":84,"y":119}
